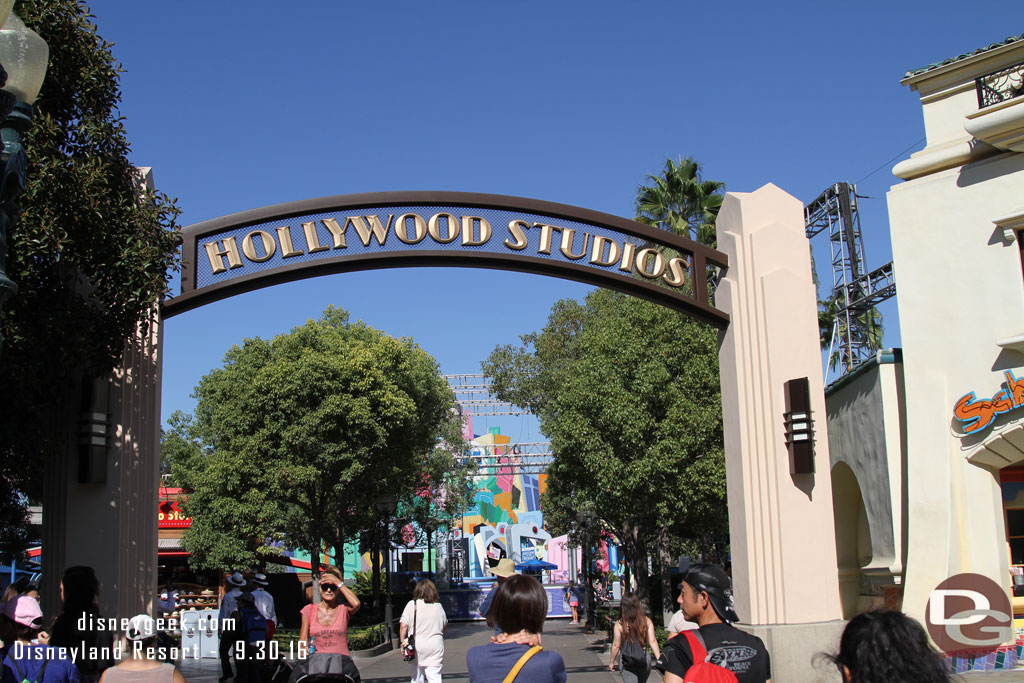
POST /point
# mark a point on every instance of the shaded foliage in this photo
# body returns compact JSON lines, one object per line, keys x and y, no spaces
{"x":91,"y":252}
{"x":295,"y":438}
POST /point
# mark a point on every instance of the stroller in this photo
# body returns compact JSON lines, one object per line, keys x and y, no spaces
{"x":325,"y":668}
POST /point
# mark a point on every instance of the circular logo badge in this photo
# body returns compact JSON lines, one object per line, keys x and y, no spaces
{"x":969,"y":612}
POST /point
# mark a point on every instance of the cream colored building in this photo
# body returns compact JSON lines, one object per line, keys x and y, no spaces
{"x":937,"y":492}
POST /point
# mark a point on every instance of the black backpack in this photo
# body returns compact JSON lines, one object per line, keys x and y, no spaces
{"x":634,"y":655}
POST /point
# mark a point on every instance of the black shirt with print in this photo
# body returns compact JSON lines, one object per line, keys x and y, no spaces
{"x":743,"y":654}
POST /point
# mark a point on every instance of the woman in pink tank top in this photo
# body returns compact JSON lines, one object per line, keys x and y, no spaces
{"x":325,"y":624}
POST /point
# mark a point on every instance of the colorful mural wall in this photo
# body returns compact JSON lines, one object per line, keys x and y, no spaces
{"x":507,"y":520}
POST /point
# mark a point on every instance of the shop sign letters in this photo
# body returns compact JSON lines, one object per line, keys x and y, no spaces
{"x":977,"y":414}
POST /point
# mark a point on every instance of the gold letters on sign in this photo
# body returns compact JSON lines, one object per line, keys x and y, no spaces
{"x":259,"y":245}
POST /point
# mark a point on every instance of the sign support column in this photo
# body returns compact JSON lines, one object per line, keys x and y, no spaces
{"x":785,"y":574}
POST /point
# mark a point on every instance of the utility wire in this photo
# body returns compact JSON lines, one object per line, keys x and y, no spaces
{"x":910,"y":147}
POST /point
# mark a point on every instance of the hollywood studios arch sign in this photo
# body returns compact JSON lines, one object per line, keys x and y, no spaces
{"x":782,"y":534}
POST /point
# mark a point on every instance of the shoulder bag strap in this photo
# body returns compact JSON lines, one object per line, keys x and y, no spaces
{"x":17,"y":670}
{"x":23,"y":677}
{"x":521,"y":663}
{"x":414,"y":606}
{"x":697,"y":649}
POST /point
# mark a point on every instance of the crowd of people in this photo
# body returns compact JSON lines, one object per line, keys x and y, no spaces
{"x":703,"y":641}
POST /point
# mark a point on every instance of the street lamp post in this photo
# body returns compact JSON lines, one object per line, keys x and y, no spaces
{"x":586,"y":520}
{"x":23,"y":60}
{"x":430,"y":526}
{"x":386,"y":506}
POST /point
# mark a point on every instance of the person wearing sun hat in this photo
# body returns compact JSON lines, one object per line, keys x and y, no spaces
{"x":30,"y":661}
{"x":233,"y":585}
{"x":705,"y":597}
{"x":501,"y":571}
{"x":264,"y":602}
{"x":143,"y":666}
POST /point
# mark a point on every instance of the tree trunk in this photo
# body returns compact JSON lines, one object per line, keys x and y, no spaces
{"x":375,"y":578}
{"x":314,"y":568}
{"x":665,"y":561}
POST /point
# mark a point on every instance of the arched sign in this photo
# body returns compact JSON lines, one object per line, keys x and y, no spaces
{"x":262,"y":247}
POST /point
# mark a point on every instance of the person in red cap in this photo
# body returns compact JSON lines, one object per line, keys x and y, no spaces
{"x":706,"y":599}
{"x":29,"y":661}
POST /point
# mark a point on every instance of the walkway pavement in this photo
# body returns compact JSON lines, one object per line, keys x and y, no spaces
{"x":586,"y":658}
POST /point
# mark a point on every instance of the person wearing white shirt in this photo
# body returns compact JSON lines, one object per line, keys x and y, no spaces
{"x":265,"y":602}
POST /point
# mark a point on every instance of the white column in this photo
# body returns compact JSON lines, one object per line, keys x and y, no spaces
{"x":781,"y":525}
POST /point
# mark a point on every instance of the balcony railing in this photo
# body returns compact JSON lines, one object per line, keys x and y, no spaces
{"x":1000,"y":86}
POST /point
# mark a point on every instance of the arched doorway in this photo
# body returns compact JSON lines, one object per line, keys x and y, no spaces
{"x":853,"y":536}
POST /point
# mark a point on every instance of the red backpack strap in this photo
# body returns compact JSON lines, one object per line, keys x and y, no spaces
{"x":697,"y":649}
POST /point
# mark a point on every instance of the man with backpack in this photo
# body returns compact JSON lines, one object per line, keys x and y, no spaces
{"x":251,"y":639}
{"x":716,"y":651}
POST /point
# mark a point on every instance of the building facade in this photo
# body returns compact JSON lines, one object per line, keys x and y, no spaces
{"x":938,"y":490}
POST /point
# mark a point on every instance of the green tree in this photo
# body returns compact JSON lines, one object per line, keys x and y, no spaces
{"x":296,"y":436}
{"x":680,"y":200}
{"x":91,"y":252}
{"x":628,"y":393}
{"x":446,"y":486}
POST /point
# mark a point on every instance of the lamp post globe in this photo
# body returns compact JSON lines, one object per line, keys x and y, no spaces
{"x":24,"y":56}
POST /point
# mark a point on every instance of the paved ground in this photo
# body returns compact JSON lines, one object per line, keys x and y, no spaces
{"x":585,"y":659}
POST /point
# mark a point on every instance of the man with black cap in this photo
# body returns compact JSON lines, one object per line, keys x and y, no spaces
{"x":706,"y":599}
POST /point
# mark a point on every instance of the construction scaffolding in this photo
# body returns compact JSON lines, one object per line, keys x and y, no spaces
{"x":855,"y":290}
{"x":473,"y":395}
{"x":518,"y":458}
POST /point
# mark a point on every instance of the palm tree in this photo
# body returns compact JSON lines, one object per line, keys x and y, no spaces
{"x":682,"y":201}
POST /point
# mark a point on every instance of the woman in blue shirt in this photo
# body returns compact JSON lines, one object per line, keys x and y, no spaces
{"x":28,"y":661}
{"x":519,"y":609}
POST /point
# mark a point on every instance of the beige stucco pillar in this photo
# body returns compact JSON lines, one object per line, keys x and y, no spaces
{"x":781,"y":525}
{"x":111,"y":525}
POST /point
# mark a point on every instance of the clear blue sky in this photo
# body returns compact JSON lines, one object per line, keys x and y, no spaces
{"x":240,"y":105}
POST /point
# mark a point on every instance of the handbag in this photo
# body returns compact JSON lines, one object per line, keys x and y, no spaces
{"x":521,"y":663}
{"x":409,"y":650}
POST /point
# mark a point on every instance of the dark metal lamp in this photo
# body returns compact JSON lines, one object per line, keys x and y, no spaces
{"x":23,"y":61}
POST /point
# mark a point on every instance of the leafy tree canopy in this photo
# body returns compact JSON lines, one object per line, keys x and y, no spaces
{"x":92,"y":250}
{"x":628,"y":393}
{"x":297,"y":436}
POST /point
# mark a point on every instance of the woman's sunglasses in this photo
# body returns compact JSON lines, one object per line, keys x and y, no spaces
{"x":329,"y":587}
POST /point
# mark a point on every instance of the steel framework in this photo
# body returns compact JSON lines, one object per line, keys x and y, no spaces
{"x":473,"y":392}
{"x":855,"y":290}
{"x":517,"y":458}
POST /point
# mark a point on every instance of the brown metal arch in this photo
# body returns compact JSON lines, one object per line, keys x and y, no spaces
{"x":698,"y":307}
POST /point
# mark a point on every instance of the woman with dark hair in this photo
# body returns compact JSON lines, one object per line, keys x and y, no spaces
{"x":634,"y":634}
{"x":886,"y":646}
{"x":79,"y":592}
{"x":519,"y":608}
{"x":423,"y":623}
{"x":27,"y":659}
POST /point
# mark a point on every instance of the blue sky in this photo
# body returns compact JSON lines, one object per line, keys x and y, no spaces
{"x":573,"y":102}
